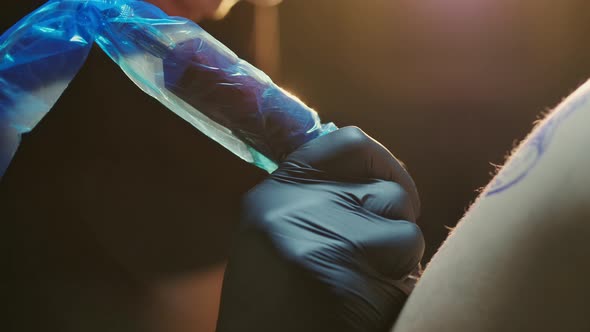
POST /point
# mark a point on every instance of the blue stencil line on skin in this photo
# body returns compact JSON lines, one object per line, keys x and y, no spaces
{"x":530,"y":153}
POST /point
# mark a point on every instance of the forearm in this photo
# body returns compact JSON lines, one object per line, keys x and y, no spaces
{"x":518,"y":261}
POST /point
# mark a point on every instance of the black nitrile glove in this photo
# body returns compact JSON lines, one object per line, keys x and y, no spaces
{"x":325,"y":243}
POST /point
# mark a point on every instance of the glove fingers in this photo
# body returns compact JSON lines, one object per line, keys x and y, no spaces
{"x":392,"y":248}
{"x":369,"y":303}
{"x":369,"y":274}
{"x":386,"y":199}
{"x":350,"y":153}
{"x":389,"y":248}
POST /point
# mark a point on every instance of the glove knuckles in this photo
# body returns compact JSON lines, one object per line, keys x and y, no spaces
{"x":398,"y":253}
{"x":387,"y":199}
{"x":344,"y":153}
{"x":349,"y":153}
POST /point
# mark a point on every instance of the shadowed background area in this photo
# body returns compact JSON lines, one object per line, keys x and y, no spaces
{"x":448,"y":86}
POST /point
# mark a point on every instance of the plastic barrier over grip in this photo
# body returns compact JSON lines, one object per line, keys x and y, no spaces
{"x":170,"y":58}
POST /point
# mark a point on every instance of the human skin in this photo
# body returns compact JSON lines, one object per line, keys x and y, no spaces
{"x":518,"y":260}
{"x":193,"y":9}
{"x":197,"y":10}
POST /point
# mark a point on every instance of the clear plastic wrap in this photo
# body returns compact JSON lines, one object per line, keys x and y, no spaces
{"x":170,"y":58}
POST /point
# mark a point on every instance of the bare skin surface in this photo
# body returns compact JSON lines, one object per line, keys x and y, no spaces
{"x":518,"y":260}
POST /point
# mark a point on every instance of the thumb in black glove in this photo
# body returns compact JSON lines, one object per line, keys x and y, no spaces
{"x":326,"y":242}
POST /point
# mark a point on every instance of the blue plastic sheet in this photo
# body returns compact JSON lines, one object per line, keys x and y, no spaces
{"x":170,"y":58}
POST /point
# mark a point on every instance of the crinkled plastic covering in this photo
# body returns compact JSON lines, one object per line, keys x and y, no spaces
{"x":170,"y":58}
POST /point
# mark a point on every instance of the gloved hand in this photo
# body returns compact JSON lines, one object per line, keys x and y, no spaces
{"x":325,"y":243}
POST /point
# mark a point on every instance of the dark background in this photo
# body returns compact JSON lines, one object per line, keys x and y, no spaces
{"x":111,"y":193}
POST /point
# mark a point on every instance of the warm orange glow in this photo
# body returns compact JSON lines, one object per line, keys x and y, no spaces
{"x":190,"y":303}
{"x":267,"y":40}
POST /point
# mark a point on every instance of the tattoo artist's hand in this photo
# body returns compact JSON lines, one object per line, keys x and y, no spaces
{"x":326,"y":242}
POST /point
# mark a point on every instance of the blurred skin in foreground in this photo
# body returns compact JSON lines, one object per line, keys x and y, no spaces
{"x":203,"y":9}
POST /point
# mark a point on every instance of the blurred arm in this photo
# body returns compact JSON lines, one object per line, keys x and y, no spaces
{"x":518,"y":261}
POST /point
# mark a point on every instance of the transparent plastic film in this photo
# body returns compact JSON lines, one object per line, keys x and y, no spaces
{"x":170,"y":58}
{"x":39,"y":56}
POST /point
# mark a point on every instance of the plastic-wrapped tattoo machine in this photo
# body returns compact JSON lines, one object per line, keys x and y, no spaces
{"x":170,"y":58}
